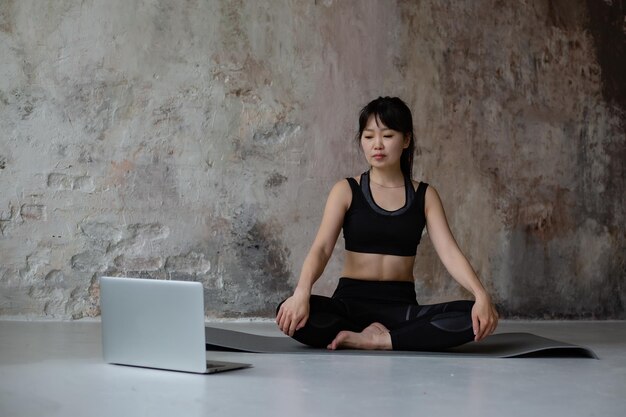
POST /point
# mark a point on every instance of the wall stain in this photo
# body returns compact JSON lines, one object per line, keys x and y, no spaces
{"x":168,"y":113}
{"x":277,"y":134}
{"x":98,"y":105}
{"x":566,"y":14}
{"x":260,"y":269}
{"x":607,"y":24}
{"x":275,"y":180}
{"x":6,"y":16}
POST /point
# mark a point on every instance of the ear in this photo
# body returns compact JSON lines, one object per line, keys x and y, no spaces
{"x":407,"y":141}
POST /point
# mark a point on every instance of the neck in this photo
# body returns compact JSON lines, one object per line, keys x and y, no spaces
{"x":387,"y":177}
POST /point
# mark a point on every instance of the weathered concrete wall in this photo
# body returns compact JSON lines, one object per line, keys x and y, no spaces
{"x":198,"y":139}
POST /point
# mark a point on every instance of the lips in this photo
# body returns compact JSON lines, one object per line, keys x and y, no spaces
{"x":378,"y":156}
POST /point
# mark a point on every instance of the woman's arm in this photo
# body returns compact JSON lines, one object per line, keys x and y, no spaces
{"x":294,"y":312}
{"x":484,"y":315}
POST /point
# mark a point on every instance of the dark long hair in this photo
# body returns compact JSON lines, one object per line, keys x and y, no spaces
{"x":396,"y":115}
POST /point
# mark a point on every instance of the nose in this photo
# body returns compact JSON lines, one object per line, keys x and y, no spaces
{"x":378,"y":142}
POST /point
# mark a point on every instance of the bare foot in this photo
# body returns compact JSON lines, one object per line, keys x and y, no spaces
{"x":373,"y":337}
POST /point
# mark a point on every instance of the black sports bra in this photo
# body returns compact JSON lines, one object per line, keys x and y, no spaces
{"x":368,"y":228}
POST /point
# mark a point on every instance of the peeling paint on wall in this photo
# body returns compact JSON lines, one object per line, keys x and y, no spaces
{"x":198,"y":141}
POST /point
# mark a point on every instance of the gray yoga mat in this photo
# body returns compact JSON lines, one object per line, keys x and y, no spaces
{"x":501,"y":345}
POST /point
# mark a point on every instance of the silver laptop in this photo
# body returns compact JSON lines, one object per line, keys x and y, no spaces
{"x":156,"y":324}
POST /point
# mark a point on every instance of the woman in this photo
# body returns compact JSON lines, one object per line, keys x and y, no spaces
{"x":383,"y":213}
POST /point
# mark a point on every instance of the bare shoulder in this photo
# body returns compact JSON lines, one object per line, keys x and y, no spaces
{"x":340,"y":194}
{"x":431,"y":199}
{"x":341,"y":186}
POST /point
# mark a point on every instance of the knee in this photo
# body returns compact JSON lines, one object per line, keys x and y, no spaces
{"x":456,"y":322}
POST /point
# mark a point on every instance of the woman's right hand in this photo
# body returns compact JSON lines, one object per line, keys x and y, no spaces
{"x":293,"y":313}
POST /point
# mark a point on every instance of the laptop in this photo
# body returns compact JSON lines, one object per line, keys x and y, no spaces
{"x":156,"y":324}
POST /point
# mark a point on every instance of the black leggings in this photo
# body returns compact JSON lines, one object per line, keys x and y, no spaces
{"x":357,"y":303}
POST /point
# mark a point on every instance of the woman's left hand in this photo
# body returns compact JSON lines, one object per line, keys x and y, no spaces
{"x":484,"y":318}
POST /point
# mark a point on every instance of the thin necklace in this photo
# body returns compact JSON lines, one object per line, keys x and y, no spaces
{"x":385,"y":186}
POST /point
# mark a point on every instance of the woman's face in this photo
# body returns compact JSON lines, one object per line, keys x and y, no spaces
{"x":382,"y":146}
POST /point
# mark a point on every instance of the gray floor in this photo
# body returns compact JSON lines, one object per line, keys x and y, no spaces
{"x":55,"y":369}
